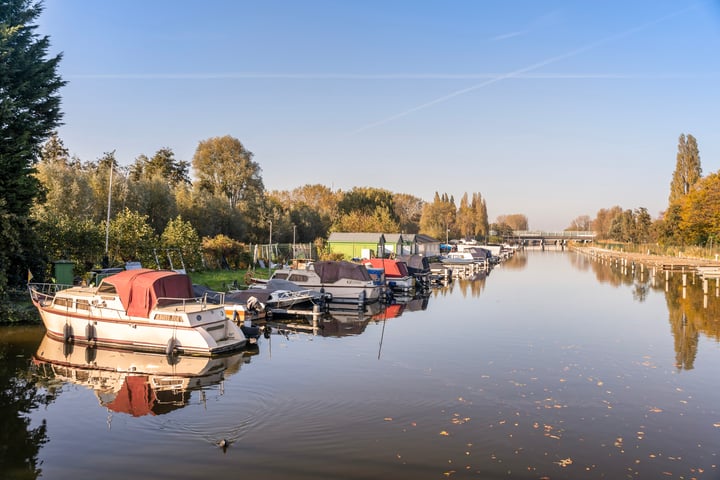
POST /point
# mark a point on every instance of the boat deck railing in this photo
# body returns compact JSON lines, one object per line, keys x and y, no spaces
{"x":186,"y":304}
{"x":44,"y":292}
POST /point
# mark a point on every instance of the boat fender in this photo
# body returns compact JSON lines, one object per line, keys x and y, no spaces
{"x":171,"y":348}
{"x":67,"y":333}
{"x":235,"y":318}
{"x":68,"y":348}
{"x":90,"y":332}
{"x":90,"y":355}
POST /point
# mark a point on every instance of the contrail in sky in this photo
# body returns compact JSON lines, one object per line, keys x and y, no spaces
{"x":372,"y":76}
{"x":521,"y":71}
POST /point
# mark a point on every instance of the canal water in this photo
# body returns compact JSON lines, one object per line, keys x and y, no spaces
{"x":553,"y":366}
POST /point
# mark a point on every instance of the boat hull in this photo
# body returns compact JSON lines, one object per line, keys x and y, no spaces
{"x":192,"y":329}
{"x":401,"y":283}
{"x":343,"y":290}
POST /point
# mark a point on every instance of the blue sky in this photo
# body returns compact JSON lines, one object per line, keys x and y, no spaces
{"x":552,"y":109}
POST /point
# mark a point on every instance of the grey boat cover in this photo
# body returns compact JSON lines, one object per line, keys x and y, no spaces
{"x":239,"y":297}
{"x":416,"y":264}
{"x":331,"y":271}
{"x":279,"y":284}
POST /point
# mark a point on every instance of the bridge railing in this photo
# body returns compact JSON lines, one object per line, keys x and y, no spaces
{"x":570,"y":234}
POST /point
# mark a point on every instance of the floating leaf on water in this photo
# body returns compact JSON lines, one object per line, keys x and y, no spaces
{"x":565,"y":462}
{"x":444,"y":433}
{"x":388,"y":419}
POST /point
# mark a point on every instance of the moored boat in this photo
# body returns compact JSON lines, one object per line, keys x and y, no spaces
{"x":256,"y":300}
{"x":419,"y":267}
{"x":143,"y":309}
{"x":458,"y":258}
{"x":397,"y":276}
{"x":344,"y":281}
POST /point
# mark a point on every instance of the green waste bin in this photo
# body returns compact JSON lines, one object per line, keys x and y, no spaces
{"x":64,"y":272}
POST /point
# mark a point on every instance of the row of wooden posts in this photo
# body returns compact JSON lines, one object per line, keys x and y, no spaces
{"x":706,"y":270}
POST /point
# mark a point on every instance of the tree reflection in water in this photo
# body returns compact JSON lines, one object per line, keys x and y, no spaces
{"x":19,"y":396}
{"x":690,"y":314}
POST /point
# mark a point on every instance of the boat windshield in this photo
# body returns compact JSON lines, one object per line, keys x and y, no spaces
{"x":107,"y":288}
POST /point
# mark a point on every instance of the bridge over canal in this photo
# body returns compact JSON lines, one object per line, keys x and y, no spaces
{"x":537,"y":237}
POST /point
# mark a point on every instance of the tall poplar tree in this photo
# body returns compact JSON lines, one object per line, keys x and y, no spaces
{"x":29,"y":112}
{"x":482,"y":225}
{"x":687,"y":168}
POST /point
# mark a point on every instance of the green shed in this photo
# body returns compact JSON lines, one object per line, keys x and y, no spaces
{"x":64,"y":272}
{"x":356,"y":245}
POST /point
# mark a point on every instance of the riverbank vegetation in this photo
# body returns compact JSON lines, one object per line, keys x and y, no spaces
{"x":690,"y":226}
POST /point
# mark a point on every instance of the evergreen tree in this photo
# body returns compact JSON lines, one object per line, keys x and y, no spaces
{"x":29,"y":112}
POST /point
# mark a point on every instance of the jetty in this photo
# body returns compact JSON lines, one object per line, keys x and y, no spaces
{"x":650,"y":261}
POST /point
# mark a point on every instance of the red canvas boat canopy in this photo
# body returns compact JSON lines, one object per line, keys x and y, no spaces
{"x":393,"y":268}
{"x":140,"y":289}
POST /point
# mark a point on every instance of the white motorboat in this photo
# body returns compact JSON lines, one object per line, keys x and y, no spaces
{"x":458,"y":258}
{"x":259,"y":298}
{"x":143,"y":309}
{"x":344,"y":281}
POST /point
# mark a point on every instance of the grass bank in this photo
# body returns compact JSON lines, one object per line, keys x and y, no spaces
{"x":222,"y":280}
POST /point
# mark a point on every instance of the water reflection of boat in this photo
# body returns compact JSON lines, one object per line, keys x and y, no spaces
{"x":343,"y":323}
{"x":335,"y":322}
{"x":134,"y":383}
{"x":413,"y":303}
